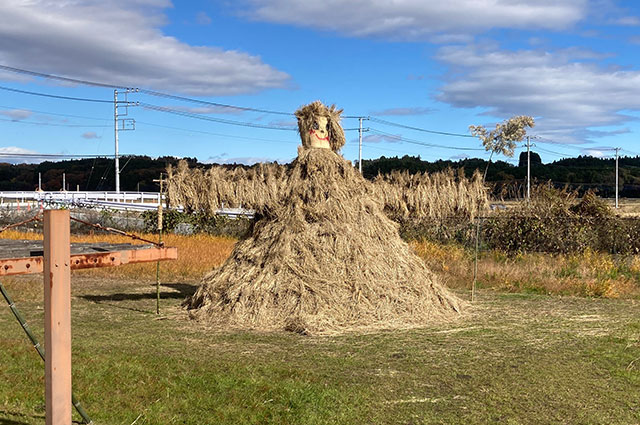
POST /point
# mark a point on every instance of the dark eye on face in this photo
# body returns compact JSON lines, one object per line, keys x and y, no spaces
{"x":315,"y":126}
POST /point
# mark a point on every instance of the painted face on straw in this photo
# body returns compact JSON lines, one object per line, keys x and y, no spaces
{"x":319,"y":133}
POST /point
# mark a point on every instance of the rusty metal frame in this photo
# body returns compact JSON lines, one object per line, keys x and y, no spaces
{"x":30,"y":265}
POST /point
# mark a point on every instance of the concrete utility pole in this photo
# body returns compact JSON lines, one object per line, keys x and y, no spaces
{"x":115,"y":130}
{"x":360,"y":146}
{"x":617,"y":178}
{"x":360,"y":130}
{"x":528,"y":169}
{"x":127,"y":124}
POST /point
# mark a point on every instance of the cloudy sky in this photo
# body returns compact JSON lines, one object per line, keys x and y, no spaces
{"x":410,"y":65}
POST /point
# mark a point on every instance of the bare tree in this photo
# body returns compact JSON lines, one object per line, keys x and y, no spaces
{"x":503,"y":138}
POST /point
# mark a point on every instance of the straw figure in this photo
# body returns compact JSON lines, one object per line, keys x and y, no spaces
{"x":322,"y":257}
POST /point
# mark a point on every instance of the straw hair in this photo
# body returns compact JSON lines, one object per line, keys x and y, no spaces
{"x":325,"y":258}
{"x":306,"y":116}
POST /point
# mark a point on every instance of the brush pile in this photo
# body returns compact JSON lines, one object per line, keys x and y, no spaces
{"x":322,"y":258}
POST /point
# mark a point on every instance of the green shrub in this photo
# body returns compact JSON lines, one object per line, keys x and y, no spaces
{"x":201,"y":223}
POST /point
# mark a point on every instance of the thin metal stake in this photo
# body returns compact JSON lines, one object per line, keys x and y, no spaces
{"x":475,"y":268}
{"x":39,"y":349}
{"x":159,"y":242}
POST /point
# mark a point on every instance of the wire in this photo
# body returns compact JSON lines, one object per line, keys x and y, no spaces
{"x":146,"y":91}
{"x":204,"y":102}
{"x":442,"y":133}
{"x":553,"y":152}
{"x":421,"y":143}
{"x":218,"y":120}
{"x":81,"y":99}
{"x":56,"y":77}
{"x":54,"y":113}
{"x":51,"y":155}
{"x":52,"y":124}
{"x":214,"y":134}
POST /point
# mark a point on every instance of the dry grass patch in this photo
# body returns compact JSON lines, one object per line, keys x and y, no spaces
{"x":197,"y":255}
{"x":590,"y":273}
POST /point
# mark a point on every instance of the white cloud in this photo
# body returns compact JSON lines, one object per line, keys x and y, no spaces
{"x":566,"y":96}
{"x":16,"y":150}
{"x":378,"y":138}
{"x":629,"y":21}
{"x":217,"y":110}
{"x":459,"y":157}
{"x":284,"y":123}
{"x":439,"y":21}
{"x":121,"y":42}
{"x":246,"y":160}
{"x":11,"y":155}
{"x":90,"y":135}
{"x":595,"y":153}
{"x":16,"y":114}
{"x":203,"y":19}
{"x":415,"y":110}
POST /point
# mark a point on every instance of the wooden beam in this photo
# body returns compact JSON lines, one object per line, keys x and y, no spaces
{"x":30,"y":265}
{"x":57,"y":317}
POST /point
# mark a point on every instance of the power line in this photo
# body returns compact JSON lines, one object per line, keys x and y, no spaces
{"x":146,"y":91}
{"x":218,"y":120}
{"x":421,"y":143}
{"x":49,"y":124}
{"x":553,"y":152}
{"x":214,"y":134}
{"x":442,"y":133}
{"x":57,"y":77}
{"x":81,"y":99}
{"x":220,"y":105}
{"x":54,"y":113}
{"x":48,"y":155}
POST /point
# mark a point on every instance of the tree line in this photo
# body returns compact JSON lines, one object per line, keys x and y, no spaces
{"x":581,"y":173}
{"x":138,"y":173}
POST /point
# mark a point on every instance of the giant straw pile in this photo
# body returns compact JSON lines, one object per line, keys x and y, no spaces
{"x":322,"y":257}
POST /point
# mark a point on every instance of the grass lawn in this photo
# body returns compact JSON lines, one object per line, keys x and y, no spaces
{"x":512,"y":359}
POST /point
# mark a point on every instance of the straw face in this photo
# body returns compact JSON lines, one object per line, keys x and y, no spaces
{"x":308,"y":122}
{"x":322,"y":257}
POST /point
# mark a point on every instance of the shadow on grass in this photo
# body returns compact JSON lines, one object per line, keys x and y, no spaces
{"x":7,"y":421}
{"x":11,"y":422}
{"x":182,"y":290}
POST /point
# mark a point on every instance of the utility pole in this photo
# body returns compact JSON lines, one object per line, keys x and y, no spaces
{"x":528,"y":169}
{"x":617,"y":176}
{"x":127,"y":124}
{"x":160,"y":226}
{"x":64,"y":182}
{"x":39,"y":182}
{"x":360,"y":145}
{"x":360,"y":130}
{"x":115,"y":130}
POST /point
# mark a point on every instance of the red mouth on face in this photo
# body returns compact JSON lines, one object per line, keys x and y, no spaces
{"x":313,"y":132}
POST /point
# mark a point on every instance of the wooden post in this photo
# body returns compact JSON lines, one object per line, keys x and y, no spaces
{"x":57,"y":317}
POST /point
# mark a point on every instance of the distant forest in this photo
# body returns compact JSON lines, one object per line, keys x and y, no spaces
{"x":581,"y":173}
{"x":138,"y":173}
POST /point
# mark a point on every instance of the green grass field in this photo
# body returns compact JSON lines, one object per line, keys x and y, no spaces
{"x":512,"y":359}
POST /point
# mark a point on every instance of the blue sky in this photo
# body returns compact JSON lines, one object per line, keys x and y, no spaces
{"x":439,"y":66}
